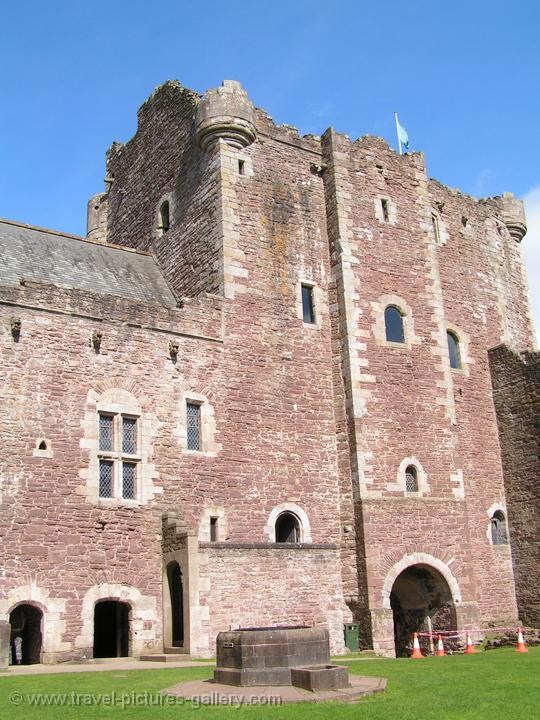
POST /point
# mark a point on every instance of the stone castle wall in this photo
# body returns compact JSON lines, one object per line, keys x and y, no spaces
{"x":516,"y":390}
{"x":318,"y":418}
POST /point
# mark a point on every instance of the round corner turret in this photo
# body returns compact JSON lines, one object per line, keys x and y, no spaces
{"x":513,"y":216}
{"x":226,"y":113}
{"x":96,"y":224}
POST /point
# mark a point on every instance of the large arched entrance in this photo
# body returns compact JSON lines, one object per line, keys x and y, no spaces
{"x":26,"y":635}
{"x":176,"y":592}
{"x":111,"y":629}
{"x":421,"y":601}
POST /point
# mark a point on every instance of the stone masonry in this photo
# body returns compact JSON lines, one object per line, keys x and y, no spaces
{"x":188,"y":291}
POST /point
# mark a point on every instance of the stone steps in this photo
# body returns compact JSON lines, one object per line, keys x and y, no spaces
{"x":170,"y":655}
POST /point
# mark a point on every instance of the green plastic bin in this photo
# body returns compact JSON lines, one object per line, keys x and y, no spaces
{"x":350,"y":630}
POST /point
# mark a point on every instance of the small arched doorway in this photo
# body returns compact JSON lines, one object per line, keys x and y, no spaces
{"x":111,"y":629}
{"x":176,"y":592}
{"x":26,"y":635}
{"x":421,"y":601}
{"x":288,"y":528}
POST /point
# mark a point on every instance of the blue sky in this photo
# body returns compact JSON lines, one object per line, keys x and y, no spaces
{"x":464,"y":77}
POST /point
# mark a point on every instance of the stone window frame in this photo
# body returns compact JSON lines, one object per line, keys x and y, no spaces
{"x":390,"y":207}
{"x":158,"y":229}
{"x":209,"y":446}
{"x":317,"y":303}
{"x":118,"y":401}
{"x":118,"y":457}
{"x":293,"y":509}
{"x":491,"y":512}
{"x":400,"y":485}
{"x":378,"y":327}
{"x":464,"y":345}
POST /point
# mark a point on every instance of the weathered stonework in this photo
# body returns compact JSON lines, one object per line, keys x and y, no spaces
{"x":319,"y":420}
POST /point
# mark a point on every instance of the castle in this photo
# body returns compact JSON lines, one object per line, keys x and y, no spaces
{"x":284,"y":380}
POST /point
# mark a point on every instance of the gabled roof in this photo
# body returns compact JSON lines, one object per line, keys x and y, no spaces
{"x":30,"y":253}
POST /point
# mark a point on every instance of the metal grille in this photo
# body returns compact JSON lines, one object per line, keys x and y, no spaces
{"x":498,"y":532}
{"x":105,"y":478}
{"x":106,"y":436}
{"x":129,"y":435}
{"x":411,"y":481}
{"x":129,"y":475}
{"x":193,"y":426}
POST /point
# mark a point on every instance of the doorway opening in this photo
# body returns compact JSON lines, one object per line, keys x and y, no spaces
{"x":111,"y":629}
{"x":421,"y":601}
{"x":176,"y":592}
{"x":26,"y":635}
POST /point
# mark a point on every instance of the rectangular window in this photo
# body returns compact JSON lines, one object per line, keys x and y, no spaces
{"x":105,"y":478}
{"x":213,"y":529}
{"x":193,"y":412}
{"x":118,"y":456}
{"x":308,"y":309}
{"x":129,"y":480}
{"x":385,"y":213}
{"x":129,"y":435}
{"x":106,"y":435}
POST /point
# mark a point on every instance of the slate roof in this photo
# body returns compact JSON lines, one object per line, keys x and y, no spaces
{"x":67,"y":261}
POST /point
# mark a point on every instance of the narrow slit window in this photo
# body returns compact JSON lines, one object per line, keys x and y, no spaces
{"x":106,"y":434}
{"x":213,"y":529}
{"x":193,"y":412}
{"x":164,"y":220}
{"x":105,"y":479}
{"x":385,"y":209}
{"x":436,"y":229}
{"x":453,"y":350}
{"x":129,"y":480}
{"x":241,"y":167}
{"x":393,"y":322}
{"x":308,"y":308}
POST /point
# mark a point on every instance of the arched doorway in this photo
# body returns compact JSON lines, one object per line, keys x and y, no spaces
{"x":176,"y":592}
{"x":26,"y":635}
{"x":421,"y":600}
{"x":111,"y":629}
{"x":287,"y":528}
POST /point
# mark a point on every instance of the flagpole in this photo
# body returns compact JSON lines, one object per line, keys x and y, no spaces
{"x":397,"y":133}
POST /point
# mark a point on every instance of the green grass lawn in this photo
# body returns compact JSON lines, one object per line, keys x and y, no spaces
{"x":496,"y":684}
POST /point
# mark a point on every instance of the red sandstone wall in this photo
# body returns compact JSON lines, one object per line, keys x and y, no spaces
{"x":516,"y":389}
{"x":163,"y":161}
{"x":409,"y":402}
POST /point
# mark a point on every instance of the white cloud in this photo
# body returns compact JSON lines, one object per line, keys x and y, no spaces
{"x":531,"y":250}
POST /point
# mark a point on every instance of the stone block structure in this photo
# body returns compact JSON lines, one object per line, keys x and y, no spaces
{"x":259,"y":393}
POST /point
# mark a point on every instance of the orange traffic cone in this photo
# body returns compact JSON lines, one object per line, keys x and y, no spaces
{"x":521,"y":647}
{"x":416,"y":653}
{"x":440,"y":647}
{"x":469,"y":650}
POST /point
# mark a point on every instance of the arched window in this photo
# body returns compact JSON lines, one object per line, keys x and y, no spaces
{"x":453,"y":350}
{"x":164,"y":217}
{"x":411,"y":479}
{"x":393,"y":322}
{"x":499,"y":533}
{"x":288,"y":528}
